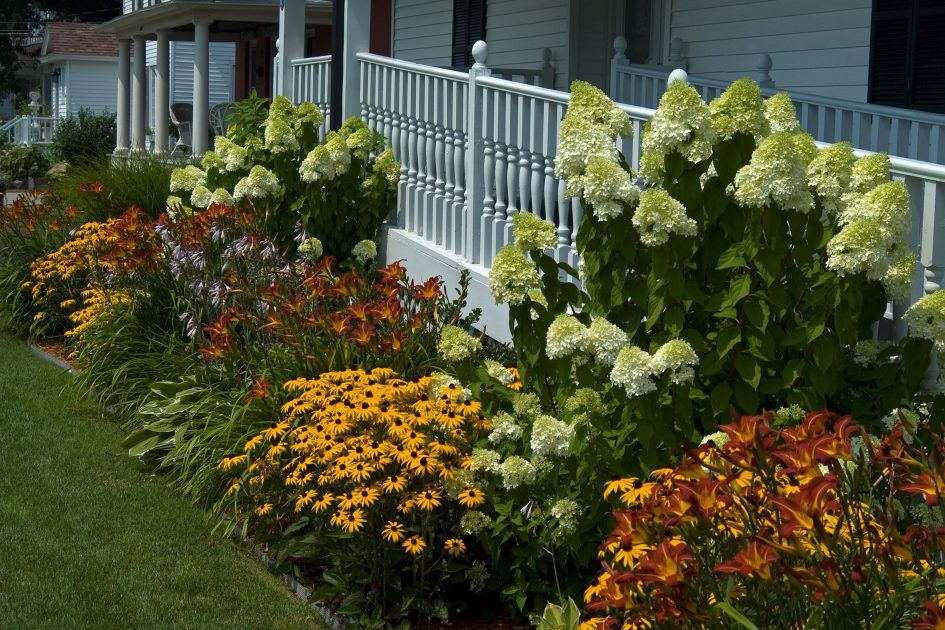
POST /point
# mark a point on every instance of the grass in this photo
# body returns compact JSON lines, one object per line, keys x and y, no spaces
{"x":88,"y":539}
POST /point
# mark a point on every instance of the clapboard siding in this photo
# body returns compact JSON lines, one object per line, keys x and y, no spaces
{"x":815,"y":46}
{"x":423,"y":31}
{"x":518,"y":31}
{"x":222,"y":60}
{"x":91,"y":85}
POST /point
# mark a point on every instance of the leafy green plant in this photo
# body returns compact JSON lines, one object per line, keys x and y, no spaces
{"x":100,"y":190}
{"x":17,"y":163}
{"x":566,"y":617}
{"x":85,"y":135}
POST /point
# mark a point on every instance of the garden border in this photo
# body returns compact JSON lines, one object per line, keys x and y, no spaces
{"x":293,"y":585}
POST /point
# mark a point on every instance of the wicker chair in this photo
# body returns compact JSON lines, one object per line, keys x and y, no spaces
{"x":218,"y":115}
{"x":182,"y":115}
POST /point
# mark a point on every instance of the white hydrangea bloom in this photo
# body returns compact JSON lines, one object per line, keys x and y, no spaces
{"x":682,"y":123}
{"x":279,"y":136}
{"x":173,"y":201}
{"x":531,"y":232}
{"x":829,"y":174}
{"x":259,"y":184}
{"x":926,"y":318}
{"x":777,"y":173}
{"x":308,"y":113}
{"x":887,"y":204}
{"x":899,"y":276}
{"x":456,"y":345}
{"x":212,"y":161}
{"x":782,"y":117}
{"x":504,"y":428}
{"x":473,"y":522}
{"x":360,"y":143}
{"x":578,"y":141}
{"x":200,"y":196}
{"x":498,"y":371}
{"x":604,"y":341}
{"x":869,"y":172}
{"x":740,"y":109}
{"x":221,"y":196}
{"x":677,"y":357}
{"x":512,"y":276}
{"x":484,"y":460}
{"x":592,"y":104}
{"x":859,"y":247}
{"x":387,"y":167}
{"x":311,"y":249}
{"x":658,"y":215}
{"x":551,"y":437}
{"x":517,"y":471}
{"x":633,"y":371}
{"x":187,"y":178}
{"x":865,"y":351}
{"x":317,"y":165}
{"x":527,"y":405}
{"x":719,"y":438}
{"x":606,"y":186}
{"x":565,"y":336}
{"x":364,"y":251}
{"x":568,"y":512}
{"x":232,"y":154}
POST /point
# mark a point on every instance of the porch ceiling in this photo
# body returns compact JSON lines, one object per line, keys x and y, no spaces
{"x":226,"y":16}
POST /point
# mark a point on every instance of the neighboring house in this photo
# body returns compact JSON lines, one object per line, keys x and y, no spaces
{"x":80,"y":66}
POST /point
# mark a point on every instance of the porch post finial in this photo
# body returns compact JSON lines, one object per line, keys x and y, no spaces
{"x":678,"y":75}
{"x":620,"y":48}
{"x":764,"y":71}
{"x":480,"y":52}
{"x":676,"y":56}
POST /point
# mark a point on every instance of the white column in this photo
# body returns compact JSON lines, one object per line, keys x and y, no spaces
{"x":291,"y":41}
{"x":138,"y":95}
{"x":201,"y":86}
{"x":124,"y":79}
{"x":357,"y":38}
{"x":161,"y":82}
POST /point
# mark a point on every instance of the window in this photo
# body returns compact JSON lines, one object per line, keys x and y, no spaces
{"x":469,"y":26}
{"x":907,"y":54}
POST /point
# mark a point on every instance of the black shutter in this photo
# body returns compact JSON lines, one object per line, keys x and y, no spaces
{"x":889,"y":53}
{"x":469,"y":26}
{"x":928,"y":82}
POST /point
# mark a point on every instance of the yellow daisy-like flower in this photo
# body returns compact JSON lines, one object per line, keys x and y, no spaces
{"x":455,"y":547}
{"x":353,"y":521}
{"x":276,"y":431}
{"x":472,"y":497}
{"x":264,"y":509}
{"x":322,"y":504}
{"x":392,"y":485}
{"x":252,"y":443}
{"x":428,"y":500}
{"x":619,"y":486}
{"x":393,"y":532}
{"x":414,"y":545}
{"x":365,"y":496}
{"x":229,"y":463}
{"x":347,"y":501}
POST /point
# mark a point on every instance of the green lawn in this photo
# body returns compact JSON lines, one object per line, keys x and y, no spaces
{"x":90,"y":540}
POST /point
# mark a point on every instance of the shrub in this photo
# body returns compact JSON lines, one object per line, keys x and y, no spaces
{"x":103,"y":190}
{"x":333,"y":190}
{"x":815,"y":525}
{"x":364,"y":472}
{"x":84,"y":136}
{"x":18,"y":163}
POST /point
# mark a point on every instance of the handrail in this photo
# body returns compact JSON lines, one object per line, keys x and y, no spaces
{"x":389,"y":62}
{"x":306,"y":61}
{"x":661,"y":72}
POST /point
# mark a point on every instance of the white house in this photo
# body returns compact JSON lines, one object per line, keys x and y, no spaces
{"x":476,"y":147}
{"x":81,"y":65}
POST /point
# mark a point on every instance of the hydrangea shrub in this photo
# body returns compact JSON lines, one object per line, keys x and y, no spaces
{"x":338,"y":189}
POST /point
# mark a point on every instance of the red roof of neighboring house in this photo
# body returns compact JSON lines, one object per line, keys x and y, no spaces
{"x":78,"y":38}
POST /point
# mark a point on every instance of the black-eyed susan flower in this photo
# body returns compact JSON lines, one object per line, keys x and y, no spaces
{"x":276,"y":431}
{"x":264,"y":509}
{"x":428,"y":500}
{"x":424,"y":464}
{"x":472,"y":497}
{"x":365,"y":497}
{"x":454,"y":547}
{"x":347,"y":501}
{"x":393,"y":532}
{"x":353,"y":521}
{"x":414,"y":545}
{"x":323,"y":503}
{"x":619,"y":485}
{"x":393,"y":485}
{"x":252,"y":443}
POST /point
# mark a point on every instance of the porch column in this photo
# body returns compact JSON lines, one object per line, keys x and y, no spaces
{"x":124,"y":79}
{"x":161,"y":79}
{"x":291,"y":42}
{"x":201,"y":86}
{"x":138,"y":96}
{"x":357,"y":38}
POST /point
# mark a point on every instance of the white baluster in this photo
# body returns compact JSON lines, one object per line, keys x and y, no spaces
{"x":537,"y":164}
{"x":563,"y":216}
{"x":429,"y":185}
{"x":411,"y":171}
{"x":459,"y":193}
{"x":550,"y":189}
{"x":449,"y":186}
{"x":439,"y":183}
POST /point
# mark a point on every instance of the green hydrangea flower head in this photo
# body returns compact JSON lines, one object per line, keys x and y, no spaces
{"x":606,"y":186}
{"x":550,"y":437}
{"x":187,"y":178}
{"x":517,"y":471}
{"x":926,"y":318}
{"x":829,"y":174}
{"x":633,"y":370}
{"x":512,"y":276}
{"x":604,"y":341}
{"x":309,"y":113}
{"x":887,"y":204}
{"x":456,"y":345}
{"x":532,"y":232}
{"x":212,"y":161}
{"x":781,"y":115}
{"x":592,"y":104}
{"x":740,"y":109}
{"x":222,"y":197}
{"x":682,"y":123}
{"x":200,"y":197}
{"x":677,"y":357}
{"x":527,"y":405}
{"x":897,"y":281}
{"x":258,"y":184}
{"x":311,"y":249}
{"x":776,"y":174}
{"x":364,"y":251}
{"x":281,"y":109}
{"x":232,"y":154}
{"x":387,"y":167}
{"x":659,"y":215}
{"x":505,"y":428}
{"x":568,"y":512}
{"x":870,"y":171}
{"x":279,"y":136}
{"x":565,"y":336}
{"x":578,"y":141}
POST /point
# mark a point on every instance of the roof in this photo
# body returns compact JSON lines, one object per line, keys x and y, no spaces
{"x":67,"y":39}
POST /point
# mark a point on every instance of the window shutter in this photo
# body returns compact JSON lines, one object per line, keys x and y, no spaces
{"x":928,"y":84}
{"x":889,"y":54}
{"x":469,"y":26}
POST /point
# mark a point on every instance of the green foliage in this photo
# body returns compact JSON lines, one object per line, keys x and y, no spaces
{"x":105,"y":189}
{"x":567,"y":617}
{"x":17,"y":163}
{"x":86,"y":135}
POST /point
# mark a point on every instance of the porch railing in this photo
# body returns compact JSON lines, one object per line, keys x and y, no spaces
{"x":901,"y":132}
{"x":476,"y":149}
{"x":311,"y":81}
{"x":29,"y":130}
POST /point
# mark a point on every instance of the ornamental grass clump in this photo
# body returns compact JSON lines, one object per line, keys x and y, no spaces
{"x":817,"y":525}
{"x":365,"y":472}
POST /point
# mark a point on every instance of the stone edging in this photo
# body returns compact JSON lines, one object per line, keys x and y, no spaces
{"x":294,"y":586}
